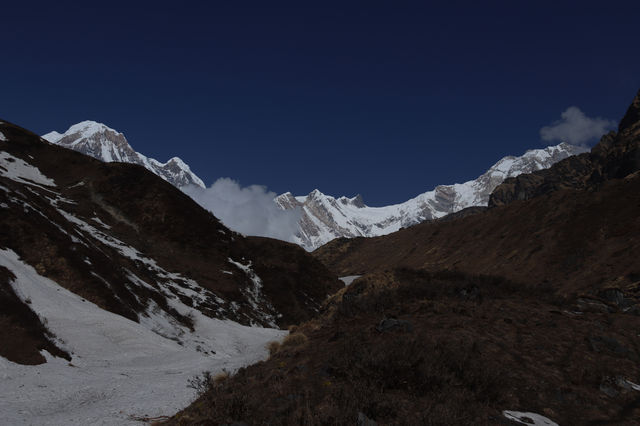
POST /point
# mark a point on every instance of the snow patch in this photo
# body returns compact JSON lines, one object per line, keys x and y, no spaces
{"x":349,"y":279}
{"x":633,"y":386}
{"x":20,"y":171}
{"x":528,"y":418}
{"x":100,"y":222}
{"x":81,"y":183}
{"x":254,"y":293}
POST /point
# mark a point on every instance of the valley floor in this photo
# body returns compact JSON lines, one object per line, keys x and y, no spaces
{"x":120,"y":370}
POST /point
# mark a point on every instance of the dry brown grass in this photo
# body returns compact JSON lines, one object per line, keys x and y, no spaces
{"x":295,"y":340}
{"x":219,"y":378}
{"x":477,"y":345}
{"x":273,"y":347}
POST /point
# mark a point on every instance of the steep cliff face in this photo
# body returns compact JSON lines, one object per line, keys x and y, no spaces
{"x":615,"y":156}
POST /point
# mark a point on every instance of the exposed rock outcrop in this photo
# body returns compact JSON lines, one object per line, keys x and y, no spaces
{"x":615,"y":156}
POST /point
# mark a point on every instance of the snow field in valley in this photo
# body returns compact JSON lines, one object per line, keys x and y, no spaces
{"x":119,"y":369}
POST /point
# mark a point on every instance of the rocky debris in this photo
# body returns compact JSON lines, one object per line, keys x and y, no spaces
{"x":614,"y":386}
{"x":609,"y":300}
{"x":363,"y":420}
{"x":608,"y":386}
{"x":585,"y":304}
{"x":618,"y":298}
{"x":471,"y":292}
{"x":605,"y":343}
{"x":392,"y":324}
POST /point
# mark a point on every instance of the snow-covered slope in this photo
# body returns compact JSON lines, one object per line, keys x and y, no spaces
{"x":325,"y":217}
{"x":120,"y":369}
{"x":106,"y":144}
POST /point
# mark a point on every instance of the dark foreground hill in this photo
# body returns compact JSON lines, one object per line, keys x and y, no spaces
{"x":129,"y":242}
{"x":419,"y":348}
{"x":528,"y":310}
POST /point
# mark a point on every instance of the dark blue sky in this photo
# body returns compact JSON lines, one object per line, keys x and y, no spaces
{"x":386,"y":99}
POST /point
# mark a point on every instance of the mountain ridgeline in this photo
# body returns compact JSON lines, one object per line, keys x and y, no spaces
{"x":323,"y":217}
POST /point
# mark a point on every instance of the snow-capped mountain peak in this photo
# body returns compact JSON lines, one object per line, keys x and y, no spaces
{"x":106,"y":144}
{"x":84,"y":130}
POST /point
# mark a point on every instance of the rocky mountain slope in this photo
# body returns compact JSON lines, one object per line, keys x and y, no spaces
{"x":523,"y":313}
{"x":325,"y":218}
{"x":111,"y":277}
{"x":105,"y":144}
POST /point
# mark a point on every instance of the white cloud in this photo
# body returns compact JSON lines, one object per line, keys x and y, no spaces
{"x":576,"y":128}
{"x":249,"y":210}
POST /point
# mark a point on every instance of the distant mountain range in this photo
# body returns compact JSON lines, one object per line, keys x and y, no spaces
{"x":324,"y":217}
